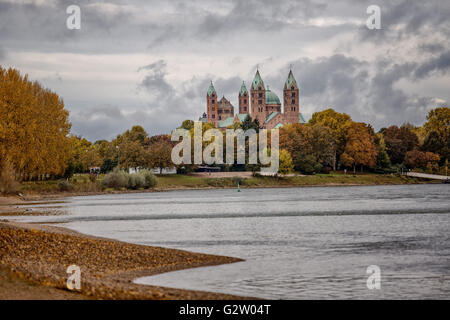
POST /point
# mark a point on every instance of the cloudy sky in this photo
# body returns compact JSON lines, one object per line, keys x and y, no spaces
{"x":150,"y":62}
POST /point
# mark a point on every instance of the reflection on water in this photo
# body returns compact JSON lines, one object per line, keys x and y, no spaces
{"x":297,"y":242}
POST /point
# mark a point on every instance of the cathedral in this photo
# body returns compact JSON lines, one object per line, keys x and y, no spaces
{"x":261,"y":104}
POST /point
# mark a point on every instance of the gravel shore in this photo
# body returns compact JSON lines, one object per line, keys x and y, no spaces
{"x":32,"y":254}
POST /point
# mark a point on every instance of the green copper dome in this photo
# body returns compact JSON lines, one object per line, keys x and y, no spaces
{"x":272,"y":98}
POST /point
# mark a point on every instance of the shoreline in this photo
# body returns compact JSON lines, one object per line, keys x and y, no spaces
{"x":36,"y":195}
{"x":36,"y":256}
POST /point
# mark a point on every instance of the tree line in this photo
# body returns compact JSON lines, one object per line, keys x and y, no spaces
{"x":36,"y":143}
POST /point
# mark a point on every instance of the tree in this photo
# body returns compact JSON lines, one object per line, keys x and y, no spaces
{"x":383,"y":160}
{"x":311,"y":147}
{"x":423,"y":160}
{"x":33,"y":128}
{"x":360,"y":148}
{"x":132,"y":154}
{"x":399,"y":141}
{"x":158,"y":151}
{"x":286,"y":166}
{"x":187,"y":124}
{"x":338,"y":124}
{"x":437,"y":130}
{"x":248,"y":123}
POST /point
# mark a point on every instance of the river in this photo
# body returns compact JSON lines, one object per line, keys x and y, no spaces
{"x":298,"y":243}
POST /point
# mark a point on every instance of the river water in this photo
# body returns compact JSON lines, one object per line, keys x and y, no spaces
{"x":298,"y":243}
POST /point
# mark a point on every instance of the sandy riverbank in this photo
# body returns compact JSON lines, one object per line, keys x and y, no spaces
{"x":34,"y":259}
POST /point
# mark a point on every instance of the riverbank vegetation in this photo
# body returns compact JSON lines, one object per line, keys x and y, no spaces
{"x":38,"y":152}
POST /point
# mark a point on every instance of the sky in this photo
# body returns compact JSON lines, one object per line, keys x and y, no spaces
{"x":150,"y":63}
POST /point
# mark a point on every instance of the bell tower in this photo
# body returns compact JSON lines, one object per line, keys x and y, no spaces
{"x":258,"y":98}
{"x":291,"y":99}
{"x":211,"y":105}
{"x":243,"y":100}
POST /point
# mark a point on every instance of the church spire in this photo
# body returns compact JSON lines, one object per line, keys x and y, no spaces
{"x":257,"y":80}
{"x":243,"y":89}
{"x":290,"y":81}
{"x":211,"y":89}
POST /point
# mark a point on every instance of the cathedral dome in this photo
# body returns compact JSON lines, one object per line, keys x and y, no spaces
{"x":272,"y":98}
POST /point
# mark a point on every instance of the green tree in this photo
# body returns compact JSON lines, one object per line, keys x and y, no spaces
{"x":338,"y":124}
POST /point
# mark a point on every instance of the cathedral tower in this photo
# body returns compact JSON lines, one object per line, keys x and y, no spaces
{"x":258,"y":98}
{"x":291,"y":99}
{"x":243,"y":100}
{"x":211,"y":105}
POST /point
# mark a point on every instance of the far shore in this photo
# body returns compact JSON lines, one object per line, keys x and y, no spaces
{"x":36,"y":191}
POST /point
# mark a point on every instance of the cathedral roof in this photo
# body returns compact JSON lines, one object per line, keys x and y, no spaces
{"x":257,"y":80}
{"x":272,"y":98}
{"x":243,"y":89}
{"x":211,"y":89}
{"x":290,"y":81}
{"x":271,"y":116}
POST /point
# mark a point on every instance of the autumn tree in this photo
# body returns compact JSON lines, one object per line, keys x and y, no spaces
{"x":158,"y":151}
{"x":360,"y":148}
{"x":187,"y":124}
{"x":311,"y":147}
{"x":33,"y":129}
{"x":383,"y":160}
{"x":423,"y":160}
{"x":286,"y":165}
{"x":437,"y":130}
{"x":399,"y":141}
{"x":338,"y":124}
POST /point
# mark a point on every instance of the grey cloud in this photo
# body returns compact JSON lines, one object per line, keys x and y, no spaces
{"x":402,"y":18}
{"x":440,"y":64}
{"x":106,"y":122}
{"x":352,"y":86}
{"x":2,"y":54}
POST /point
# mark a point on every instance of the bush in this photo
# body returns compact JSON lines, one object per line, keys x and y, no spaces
{"x":64,"y":185}
{"x":136,"y":181}
{"x":237,"y":180}
{"x":92,"y":177}
{"x":116,"y":179}
{"x":150,"y":180}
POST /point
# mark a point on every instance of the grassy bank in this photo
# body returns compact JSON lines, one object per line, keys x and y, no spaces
{"x":81,"y":184}
{"x":188,"y":182}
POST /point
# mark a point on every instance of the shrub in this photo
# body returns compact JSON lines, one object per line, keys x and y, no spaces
{"x":92,"y":177}
{"x":116,"y":179}
{"x":136,"y":181}
{"x":150,"y":179}
{"x":237,"y":180}
{"x":64,"y":185}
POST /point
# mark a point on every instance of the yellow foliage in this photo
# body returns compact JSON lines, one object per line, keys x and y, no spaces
{"x":33,"y":127}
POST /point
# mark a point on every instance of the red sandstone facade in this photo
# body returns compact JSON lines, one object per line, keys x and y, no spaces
{"x":265,"y":105}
